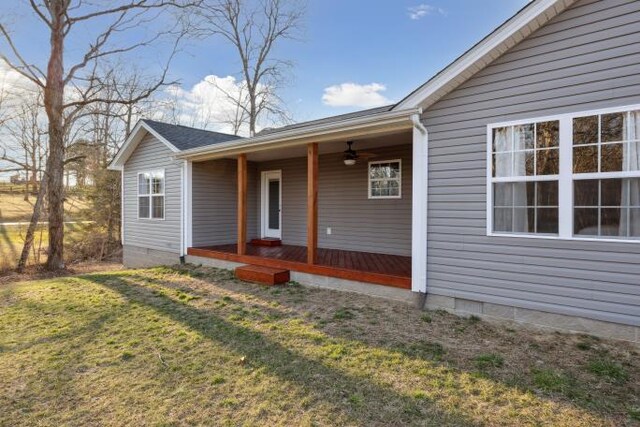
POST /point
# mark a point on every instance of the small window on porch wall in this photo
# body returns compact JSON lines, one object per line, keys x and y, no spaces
{"x":385,"y":179}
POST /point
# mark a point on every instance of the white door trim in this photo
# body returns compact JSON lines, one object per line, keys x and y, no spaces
{"x":265,"y":231}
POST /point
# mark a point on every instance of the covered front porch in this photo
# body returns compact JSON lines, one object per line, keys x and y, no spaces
{"x":381,"y":269}
{"x":353,"y":220}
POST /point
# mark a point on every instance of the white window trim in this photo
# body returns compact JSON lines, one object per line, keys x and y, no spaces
{"x":565,"y":178}
{"x":399,"y":179}
{"x":163,"y":194}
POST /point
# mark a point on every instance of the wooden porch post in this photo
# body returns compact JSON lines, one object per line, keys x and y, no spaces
{"x":312,"y":202}
{"x":242,"y":204}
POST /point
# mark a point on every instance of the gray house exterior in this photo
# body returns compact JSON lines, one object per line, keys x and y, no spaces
{"x":556,"y":61}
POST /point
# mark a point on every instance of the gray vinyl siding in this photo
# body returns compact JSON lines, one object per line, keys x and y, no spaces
{"x":214,"y":203}
{"x":163,"y":235}
{"x":586,"y":58}
{"x":357,"y":222}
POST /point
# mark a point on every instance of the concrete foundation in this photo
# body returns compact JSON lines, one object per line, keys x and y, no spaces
{"x":535,"y":318}
{"x":137,"y":257}
{"x":318,"y":281}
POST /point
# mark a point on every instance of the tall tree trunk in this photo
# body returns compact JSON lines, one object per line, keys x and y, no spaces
{"x":252,"y":114}
{"x":33,"y":224}
{"x":26,"y":184}
{"x":54,"y":106}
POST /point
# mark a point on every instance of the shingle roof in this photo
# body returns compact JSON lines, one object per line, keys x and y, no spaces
{"x":184,"y":137}
{"x":326,"y":120}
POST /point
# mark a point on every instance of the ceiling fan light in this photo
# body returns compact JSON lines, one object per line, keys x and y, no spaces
{"x":350,"y":156}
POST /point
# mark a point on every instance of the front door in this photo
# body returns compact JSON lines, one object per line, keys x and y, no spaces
{"x":271,"y":204}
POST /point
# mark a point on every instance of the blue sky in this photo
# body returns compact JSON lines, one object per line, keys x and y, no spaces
{"x":367,"y":42}
{"x":391,"y":44}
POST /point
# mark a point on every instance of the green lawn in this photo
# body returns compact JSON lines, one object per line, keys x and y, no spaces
{"x":195,"y":346}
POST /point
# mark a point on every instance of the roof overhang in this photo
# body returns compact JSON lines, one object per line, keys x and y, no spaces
{"x":374,"y":124}
{"x":137,"y":134}
{"x":533,"y":16}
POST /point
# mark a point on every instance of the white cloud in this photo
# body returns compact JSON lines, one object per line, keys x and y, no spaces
{"x":355,"y":95}
{"x":13,"y":83}
{"x":207,"y":105}
{"x":422,"y":10}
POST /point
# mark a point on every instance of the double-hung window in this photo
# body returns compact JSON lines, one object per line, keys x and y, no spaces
{"x":151,"y":195}
{"x":606,"y":175}
{"x":525,"y":174}
{"x":571,"y":176}
{"x":385,"y":179}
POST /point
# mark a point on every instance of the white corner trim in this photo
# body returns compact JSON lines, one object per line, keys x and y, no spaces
{"x":419,"y":206}
{"x":122,"y":199}
{"x":132,"y":141}
{"x":183,"y":205}
{"x":189,"y":204}
{"x":186,"y":199}
{"x":526,"y":19}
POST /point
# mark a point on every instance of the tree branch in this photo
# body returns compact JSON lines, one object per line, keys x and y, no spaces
{"x":26,"y":70}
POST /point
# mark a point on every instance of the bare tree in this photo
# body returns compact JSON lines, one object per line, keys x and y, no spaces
{"x":237,"y":116}
{"x":254,"y":29}
{"x":24,"y":145}
{"x":4,"y":116}
{"x":61,"y":17}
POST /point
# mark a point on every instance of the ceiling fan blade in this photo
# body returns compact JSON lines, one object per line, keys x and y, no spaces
{"x":367,"y":155}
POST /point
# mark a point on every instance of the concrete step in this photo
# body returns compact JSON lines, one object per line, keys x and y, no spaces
{"x":262,"y":275}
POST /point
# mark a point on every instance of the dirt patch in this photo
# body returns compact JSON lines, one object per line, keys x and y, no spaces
{"x":40,"y":273}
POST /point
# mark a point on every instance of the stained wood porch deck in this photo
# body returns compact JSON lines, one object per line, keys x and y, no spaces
{"x":381,"y":269}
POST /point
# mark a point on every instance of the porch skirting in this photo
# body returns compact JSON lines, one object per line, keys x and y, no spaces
{"x":315,"y":280}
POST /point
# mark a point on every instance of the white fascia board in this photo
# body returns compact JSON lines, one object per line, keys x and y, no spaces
{"x":283,"y":138}
{"x":132,"y":142}
{"x":480,"y":55}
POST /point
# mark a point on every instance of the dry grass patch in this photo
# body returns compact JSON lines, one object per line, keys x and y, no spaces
{"x":13,"y":207}
{"x":194,"y":346}
{"x":80,"y":239}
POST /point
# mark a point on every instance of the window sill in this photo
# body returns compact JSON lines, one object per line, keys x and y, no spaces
{"x":554,"y":237}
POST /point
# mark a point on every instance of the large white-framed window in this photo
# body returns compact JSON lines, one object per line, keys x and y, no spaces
{"x":385,"y":179}
{"x":151,"y":195}
{"x":571,"y":176}
{"x":525,"y":177}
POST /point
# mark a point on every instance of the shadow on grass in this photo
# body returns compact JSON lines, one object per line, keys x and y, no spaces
{"x":324,"y":384}
{"x":7,"y":242}
{"x":63,"y":354}
{"x":89,"y":329}
{"x":582,"y":396}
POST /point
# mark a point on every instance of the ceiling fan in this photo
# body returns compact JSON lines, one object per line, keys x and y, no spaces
{"x":351,"y":156}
